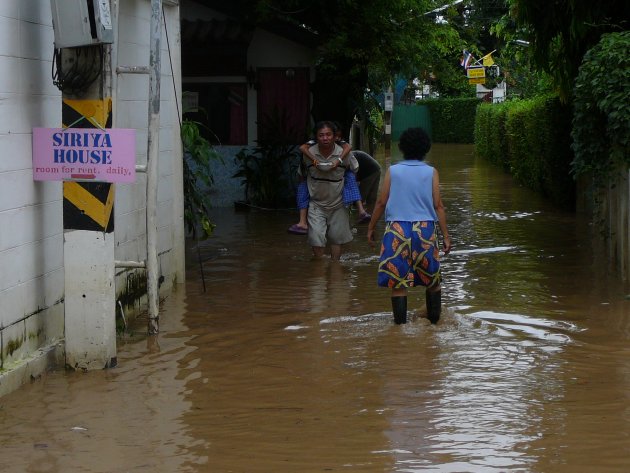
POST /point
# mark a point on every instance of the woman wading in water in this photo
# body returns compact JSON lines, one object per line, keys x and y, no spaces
{"x":410,"y":253}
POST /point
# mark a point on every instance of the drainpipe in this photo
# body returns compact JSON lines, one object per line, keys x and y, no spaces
{"x":153,"y":155}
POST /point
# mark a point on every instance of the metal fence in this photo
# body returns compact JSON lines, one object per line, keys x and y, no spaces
{"x":406,"y":116}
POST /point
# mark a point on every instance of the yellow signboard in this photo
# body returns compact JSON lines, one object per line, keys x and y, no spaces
{"x":477,"y":80}
{"x":476,"y":71}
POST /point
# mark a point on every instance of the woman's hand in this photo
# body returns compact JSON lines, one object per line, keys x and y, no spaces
{"x":370,"y":237}
{"x":446,"y":245}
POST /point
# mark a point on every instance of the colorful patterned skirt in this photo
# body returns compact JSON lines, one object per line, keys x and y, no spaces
{"x":410,"y":255}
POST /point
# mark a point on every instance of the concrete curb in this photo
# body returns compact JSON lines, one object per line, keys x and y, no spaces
{"x":24,"y":371}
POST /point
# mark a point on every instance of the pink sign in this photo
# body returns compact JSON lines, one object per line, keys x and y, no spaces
{"x":84,"y":154}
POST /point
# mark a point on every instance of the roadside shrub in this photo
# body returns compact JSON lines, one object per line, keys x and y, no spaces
{"x":522,"y":125}
{"x":531,"y":140}
{"x":490,"y":137}
{"x":452,"y":120}
{"x":601,"y":123}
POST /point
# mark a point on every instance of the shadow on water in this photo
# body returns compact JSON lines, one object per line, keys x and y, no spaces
{"x":288,"y":364}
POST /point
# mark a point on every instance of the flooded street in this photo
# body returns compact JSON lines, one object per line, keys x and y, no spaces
{"x":287,"y":364}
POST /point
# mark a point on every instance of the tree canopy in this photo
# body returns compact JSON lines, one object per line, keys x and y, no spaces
{"x":561,"y":32}
{"x":364,"y":45}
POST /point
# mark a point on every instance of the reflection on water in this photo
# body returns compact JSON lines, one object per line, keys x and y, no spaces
{"x":286,"y":364}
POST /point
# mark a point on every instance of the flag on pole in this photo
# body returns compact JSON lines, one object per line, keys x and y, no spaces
{"x":487,"y":60}
{"x":466,"y":59}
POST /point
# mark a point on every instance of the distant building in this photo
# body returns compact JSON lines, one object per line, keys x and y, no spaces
{"x":243,"y":78}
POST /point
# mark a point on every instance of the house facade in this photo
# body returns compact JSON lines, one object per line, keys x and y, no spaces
{"x":32,"y":235}
{"x":243,"y":81}
{"x":238,"y":74}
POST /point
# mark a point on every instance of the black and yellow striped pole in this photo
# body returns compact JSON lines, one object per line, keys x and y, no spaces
{"x":88,"y":223}
{"x":88,"y":205}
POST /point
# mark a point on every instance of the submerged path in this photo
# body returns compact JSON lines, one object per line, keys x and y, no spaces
{"x":286,"y":364}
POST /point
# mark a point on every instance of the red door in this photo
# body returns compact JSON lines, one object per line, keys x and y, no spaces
{"x":283,"y":105}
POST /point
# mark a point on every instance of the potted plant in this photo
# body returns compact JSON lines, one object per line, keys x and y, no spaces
{"x":268,"y":171}
{"x":198,"y":152}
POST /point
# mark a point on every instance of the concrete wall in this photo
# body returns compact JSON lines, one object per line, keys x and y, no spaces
{"x":614,"y":211}
{"x":31,"y":213}
{"x":130,"y":93}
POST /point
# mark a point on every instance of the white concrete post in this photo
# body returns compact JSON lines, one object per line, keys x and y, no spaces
{"x":90,"y":301}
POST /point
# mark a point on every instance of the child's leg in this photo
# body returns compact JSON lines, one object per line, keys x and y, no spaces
{"x":351,"y":192}
{"x":350,"y":189}
{"x":360,"y":208}
{"x":302,"y":197}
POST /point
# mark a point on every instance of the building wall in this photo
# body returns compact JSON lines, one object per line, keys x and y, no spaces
{"x":31,"y":213}
{"x":266,"y":50}
{"x":31,"y":227}
{"x":130,"y":94}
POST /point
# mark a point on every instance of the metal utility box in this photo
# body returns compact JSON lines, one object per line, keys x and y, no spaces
{"x":389,"y":102}
{"x":81,"y":22}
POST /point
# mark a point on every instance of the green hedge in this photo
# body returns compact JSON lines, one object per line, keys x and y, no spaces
{"x":531,"y":140}
{"x":452,"y":120}
{"x":490,"y":136}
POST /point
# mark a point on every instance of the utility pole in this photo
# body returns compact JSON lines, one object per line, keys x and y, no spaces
{"x":388,"y":107}
{"x":88,"y":221}
{"x":153,"y":156}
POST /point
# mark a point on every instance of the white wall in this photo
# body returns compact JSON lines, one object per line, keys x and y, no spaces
{"x":31,"y":213}
{"x":31,"y":225}
{"x":130,"y":94}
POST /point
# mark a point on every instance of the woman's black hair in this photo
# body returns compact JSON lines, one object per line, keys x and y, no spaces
{"x":414,"y":143}
{"x":325,"y":124}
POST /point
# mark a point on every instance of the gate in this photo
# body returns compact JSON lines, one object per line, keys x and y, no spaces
{"x":406,"y":116}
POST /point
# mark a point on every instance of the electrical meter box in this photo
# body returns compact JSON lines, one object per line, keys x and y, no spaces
{"x":389,"y":102}
{"x":81,"y":22}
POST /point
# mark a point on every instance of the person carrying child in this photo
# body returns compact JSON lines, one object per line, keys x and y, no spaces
{"x":351,"y":193}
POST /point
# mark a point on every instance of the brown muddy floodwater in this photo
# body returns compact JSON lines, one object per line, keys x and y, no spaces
{"x":286,"y":364}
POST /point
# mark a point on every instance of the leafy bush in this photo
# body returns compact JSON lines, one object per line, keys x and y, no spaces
{"x":531,"y":140}
{"x":452,"y":120}
{"x":601,"y":122}
{"x":198,"y":152}
{"x":268,"y":170}
{"x":490,"y":136}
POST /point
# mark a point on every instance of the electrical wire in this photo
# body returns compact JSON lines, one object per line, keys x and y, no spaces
{"x":170,"y":60}
{"x":81,"y":70}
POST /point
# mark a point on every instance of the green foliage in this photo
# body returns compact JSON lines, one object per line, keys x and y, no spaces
{"x":601,"y":122}
{"x":490,"y":136}
{"x":531,"y":140}
{"x":268,"y":170}
{"x":358,"y":40}
{"x":473,"y":20}
{"x":452,"y":120}
{"x":374,"y":122}
{"x":561,"y":32}
{"x":198,"y":153}
{"x":362,"y":45}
